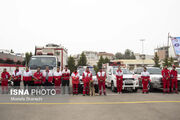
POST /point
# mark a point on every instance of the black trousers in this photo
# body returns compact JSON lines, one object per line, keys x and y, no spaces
{"x":17,"y":84}
{"x":65,"y":82}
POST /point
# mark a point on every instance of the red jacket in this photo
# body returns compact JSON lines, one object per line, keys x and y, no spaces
{"x":57,"y":75}
{"x":38,"y":77}
{"x":165,"y":74}
{"x":87,"y":76}
{"x":50,"y":76}
{"x":119,"y":75}
{"x":5,"y":76}
{"x":75,"y":78}
{"x":101,"y":76}
{"x":173,"y":74}
{"x":27,"y":76}
{"x":16,"y":75}
{"x":66,"y":74}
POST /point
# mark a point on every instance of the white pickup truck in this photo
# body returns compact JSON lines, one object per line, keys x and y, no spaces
{"x":129,"y":83}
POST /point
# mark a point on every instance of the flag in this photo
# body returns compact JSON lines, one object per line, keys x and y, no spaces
{"x":176,"y":45}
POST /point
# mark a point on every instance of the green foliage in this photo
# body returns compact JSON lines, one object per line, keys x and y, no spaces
{"x":27,"y":57}
{"x":71,"y":64}
{"x":156,"y":60}
{"x":128,"y":54}
{"x":83,"y":60}
{"x":100,"y":62}
{"x":106,"y":60}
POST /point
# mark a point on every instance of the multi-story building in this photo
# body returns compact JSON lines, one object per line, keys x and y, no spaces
{"x":7,"y":55}
{"x":92,"y":57}
{"x":53,"y":49}
{"x":110,"y":56}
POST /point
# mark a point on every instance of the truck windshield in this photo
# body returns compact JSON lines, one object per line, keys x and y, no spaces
{"x":154,"y":70}
{"x":42,"y":62}
{"x":125,"y":71}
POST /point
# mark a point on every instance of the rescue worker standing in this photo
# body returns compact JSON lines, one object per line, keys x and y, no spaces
{"x":5,"y":76}
{"x":47,"y":78}
{"x":57,"y":80}
{"x":38,"y":76}
{"x":145,"y":76}
{"x":101,"y":76}
{"x":86,"y":77}
{"x":165,"y":78}
{"x":65,"y":80}
{"x":173,"y":76}
{"x":17,"y":78}
{"x":27,"y":77}
{"x":119,"y":79}
{"x":75,"y":81}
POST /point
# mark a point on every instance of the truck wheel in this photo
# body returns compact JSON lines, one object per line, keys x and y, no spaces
{"x":135,"y":90}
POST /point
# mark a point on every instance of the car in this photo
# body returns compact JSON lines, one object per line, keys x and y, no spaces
{"x":129,"y":82}
{"x":155,"y":77}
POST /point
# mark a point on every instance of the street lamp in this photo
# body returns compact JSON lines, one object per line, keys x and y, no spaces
{"x":142,"y":54}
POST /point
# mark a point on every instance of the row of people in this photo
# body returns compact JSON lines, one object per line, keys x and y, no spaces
{"x":48,"y":79}
{"x":59,"y":77}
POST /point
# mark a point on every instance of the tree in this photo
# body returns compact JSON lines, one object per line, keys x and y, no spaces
{"x":71,"y":64}
{"x":165,"y":62}
{"x":106,"y":60}
{"x":9,"y":61}
{"x":171,"y":61}
{"x":156,"y":60}
{"x":119,"y":55}
{"x":100,"y":62}
{"x":96,"y":68}
{"x":128,"y":54}
{"x":28,"y":57}
{"x":19,"y":62}
{"x":11,"y":51}
{"x":83,"y":60}
{"x":2,"y":61}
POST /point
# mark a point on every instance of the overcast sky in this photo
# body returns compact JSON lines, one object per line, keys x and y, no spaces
{"x":98,"y":25}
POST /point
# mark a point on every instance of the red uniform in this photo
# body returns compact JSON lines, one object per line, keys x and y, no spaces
{"x":4,"y":81}
{"x":38,"y":78}
{"x":119,"y":80}
{"x":101,"y":76}
{"x":145,"y":80}
{"x":166,"y":80}
{"x":86,"y":77}
{"x":75,"y":82}
{"x":47,"y":77}
{"x":173,"y":75}
{"x":27,"y":77}
{"x":16,"y":78}
{"x":57,"y":81}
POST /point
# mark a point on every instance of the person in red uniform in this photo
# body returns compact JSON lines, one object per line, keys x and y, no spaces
{"x":101,"y":76}
{"x":119,"y":79}
{"x":27,"y":77}
{"x":75,"y":81}
{"x":173,"y":75}
{"x":47,"y":78}
{"x":65,"y":80}
{"x":5,"y":76}
{"x":57,"y":80}
{"x":145,"y":76}
{"x":86,"y":77}
{"x":166,"y":79}
{"x":38,"y":77}
{"x":17,"y":78}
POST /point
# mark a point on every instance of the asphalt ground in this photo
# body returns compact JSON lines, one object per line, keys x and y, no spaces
{"x":126,"y":106}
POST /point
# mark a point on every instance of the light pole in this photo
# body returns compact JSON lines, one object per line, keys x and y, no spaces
{"x":142,"y":56}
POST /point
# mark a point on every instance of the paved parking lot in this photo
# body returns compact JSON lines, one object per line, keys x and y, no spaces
{"x":127,"y":106}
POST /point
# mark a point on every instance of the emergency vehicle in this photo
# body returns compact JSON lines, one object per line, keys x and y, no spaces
{"x":155,"y":77}
{"x":42,"y":61}
{"x":129,"y":82}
